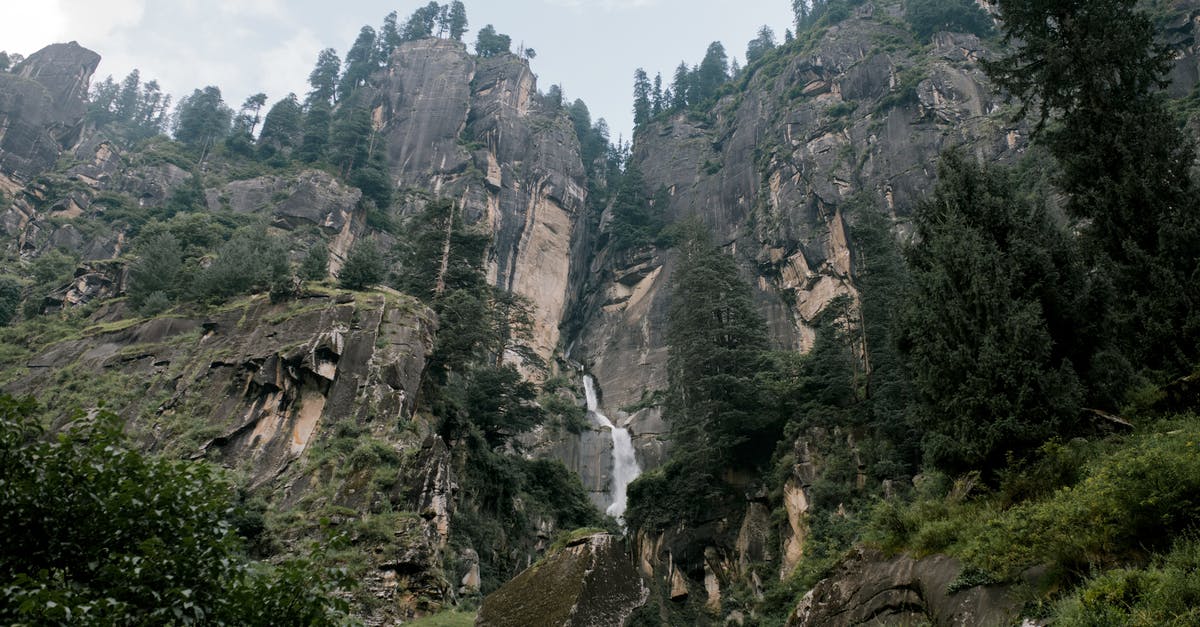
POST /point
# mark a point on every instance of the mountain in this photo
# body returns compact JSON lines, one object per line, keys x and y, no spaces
{"x":435,"y":422}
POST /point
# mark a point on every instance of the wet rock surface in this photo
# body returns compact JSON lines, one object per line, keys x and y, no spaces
{"x":591,"y":582}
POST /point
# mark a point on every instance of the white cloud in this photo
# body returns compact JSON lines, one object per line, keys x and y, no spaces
{"x":27,"y":27}
{"x":101,"y":20}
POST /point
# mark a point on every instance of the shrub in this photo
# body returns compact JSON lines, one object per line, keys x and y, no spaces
{"x":364,"y":266}
{"x":96,"y":533}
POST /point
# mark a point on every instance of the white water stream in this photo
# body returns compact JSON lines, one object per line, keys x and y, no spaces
{"x":625,"y":466}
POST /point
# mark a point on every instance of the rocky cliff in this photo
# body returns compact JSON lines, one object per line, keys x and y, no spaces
{"x":41,"y":110}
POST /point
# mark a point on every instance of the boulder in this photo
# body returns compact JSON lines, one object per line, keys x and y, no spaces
{"x":590,"y":582}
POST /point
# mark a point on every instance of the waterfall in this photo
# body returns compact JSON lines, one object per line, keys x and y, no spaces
{"x":625,"y":466}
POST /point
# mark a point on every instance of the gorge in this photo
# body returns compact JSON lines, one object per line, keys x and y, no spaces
{"x":356,"y":313}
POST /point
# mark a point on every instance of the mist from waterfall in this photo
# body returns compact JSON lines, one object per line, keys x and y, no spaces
{"x":625,"y":466}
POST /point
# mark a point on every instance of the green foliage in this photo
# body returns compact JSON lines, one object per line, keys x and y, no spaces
{"x":637,"y":218}
{"x":716,"y":342}
{"x":1097,"y":68}
{"x":139,"y":108}
{"x":364,"y":267}
{"x":251,"y":261}
{"x":156,"y":270}
{"x":100,"y":534}
{"x":927,"y":17}
{"x":10,"y":299}
{"x":202,"y":119}
{"x":282,"y":129}
{"x":1165,"y":592}
{"x":315,"y":265}
{"x":316,"y":132}
{"x":1131,"y":499}
{"x":489,"y":43}
{"x":323,"y":78}
{"x":52,"y":270}
{"x":360,"y":63}
{"x":500,"y":403}
{"x":994,"y":324}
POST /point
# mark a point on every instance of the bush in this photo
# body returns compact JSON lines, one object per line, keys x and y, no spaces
{"x":927,"y":17}
{"x":96,"y":533}
{"x":1165,"y":593}
{"x":10,"y":299}
{"x":364,"y":266}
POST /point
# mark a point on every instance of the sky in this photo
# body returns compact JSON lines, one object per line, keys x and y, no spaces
{"x":590,"y":47}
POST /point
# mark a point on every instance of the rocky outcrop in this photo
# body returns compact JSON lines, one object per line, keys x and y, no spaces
{"x":41,"y":110}
{"x":477,"y":130}
{"x":778,"y":172}
{"x":870,"y":588}
{"x":590,"y":582}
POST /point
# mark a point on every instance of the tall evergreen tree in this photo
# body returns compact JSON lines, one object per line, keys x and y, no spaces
{"x":389,"y":36}
{"x":282,"y":127}
{"x":323,"y":78}
{"x":458,"y":20}
{"x":760,"y":45}
{"x":316,"y":132}
{"x":202,"y":119}
{"x":360,"y":63}
{"x":1097,"y":69}
{"x":422,"y":22}
{"x":642,"y":102}
{"x":995,"y":324}
{"x":489,"y":43}
{"x":716,"y":342}
{"x":681,"y":87}
{"x":711,"y":75}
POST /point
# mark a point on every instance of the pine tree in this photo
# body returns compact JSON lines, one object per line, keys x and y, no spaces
{"x":360,"y":63}
{"x":364,"y":267}
{"x":489,"y":43}
{"x":711,"y":75}
{"x":642,"y":103}
{"x":458,"y":20}
{"x":681,"y":87}
{"x":716,"y":342}
{"x":202,"y":119}
{"x":995,"y":324}
{"x":761,"y":45}
{"x":316,"y":132}
{"x":1097,"y":68}
{"x":283,"y":126}
{"x":389,"y":36}
{"x":323,"y":78}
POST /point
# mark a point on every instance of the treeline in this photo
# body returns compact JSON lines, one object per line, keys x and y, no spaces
{"x":697,"y":87}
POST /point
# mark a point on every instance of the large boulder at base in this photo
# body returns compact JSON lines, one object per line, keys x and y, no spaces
{"x":591,"y":582}
{"x":870,"y":588}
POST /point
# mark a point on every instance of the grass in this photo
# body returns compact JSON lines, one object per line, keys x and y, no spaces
{"x":1111,"y":513}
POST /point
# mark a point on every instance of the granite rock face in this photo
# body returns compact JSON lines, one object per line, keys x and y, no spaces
{"x":591,"y":582}
{"x":477,"y":130}
{"x":870,"y":588}
{"x":41,"y":110}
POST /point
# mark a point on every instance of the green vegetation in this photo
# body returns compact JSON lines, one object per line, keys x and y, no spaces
{"x":99,"y":533}
{"x":927,"y":17}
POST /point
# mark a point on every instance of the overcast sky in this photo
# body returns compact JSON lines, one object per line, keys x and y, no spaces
{"x":591,"y":47}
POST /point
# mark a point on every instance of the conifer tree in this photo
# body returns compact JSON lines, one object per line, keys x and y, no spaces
{"x":458,"y":20}
{"x":995,"y":326}
{"x":681,"y":87}
{"x":642,"y":103}
{"x":283,"y":126}
{"x":316,"y":132}
{"x":323,"y":78}
{"x":1097,"y":68}
{"x":716,"y":342}
{"x":360,"y":63}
